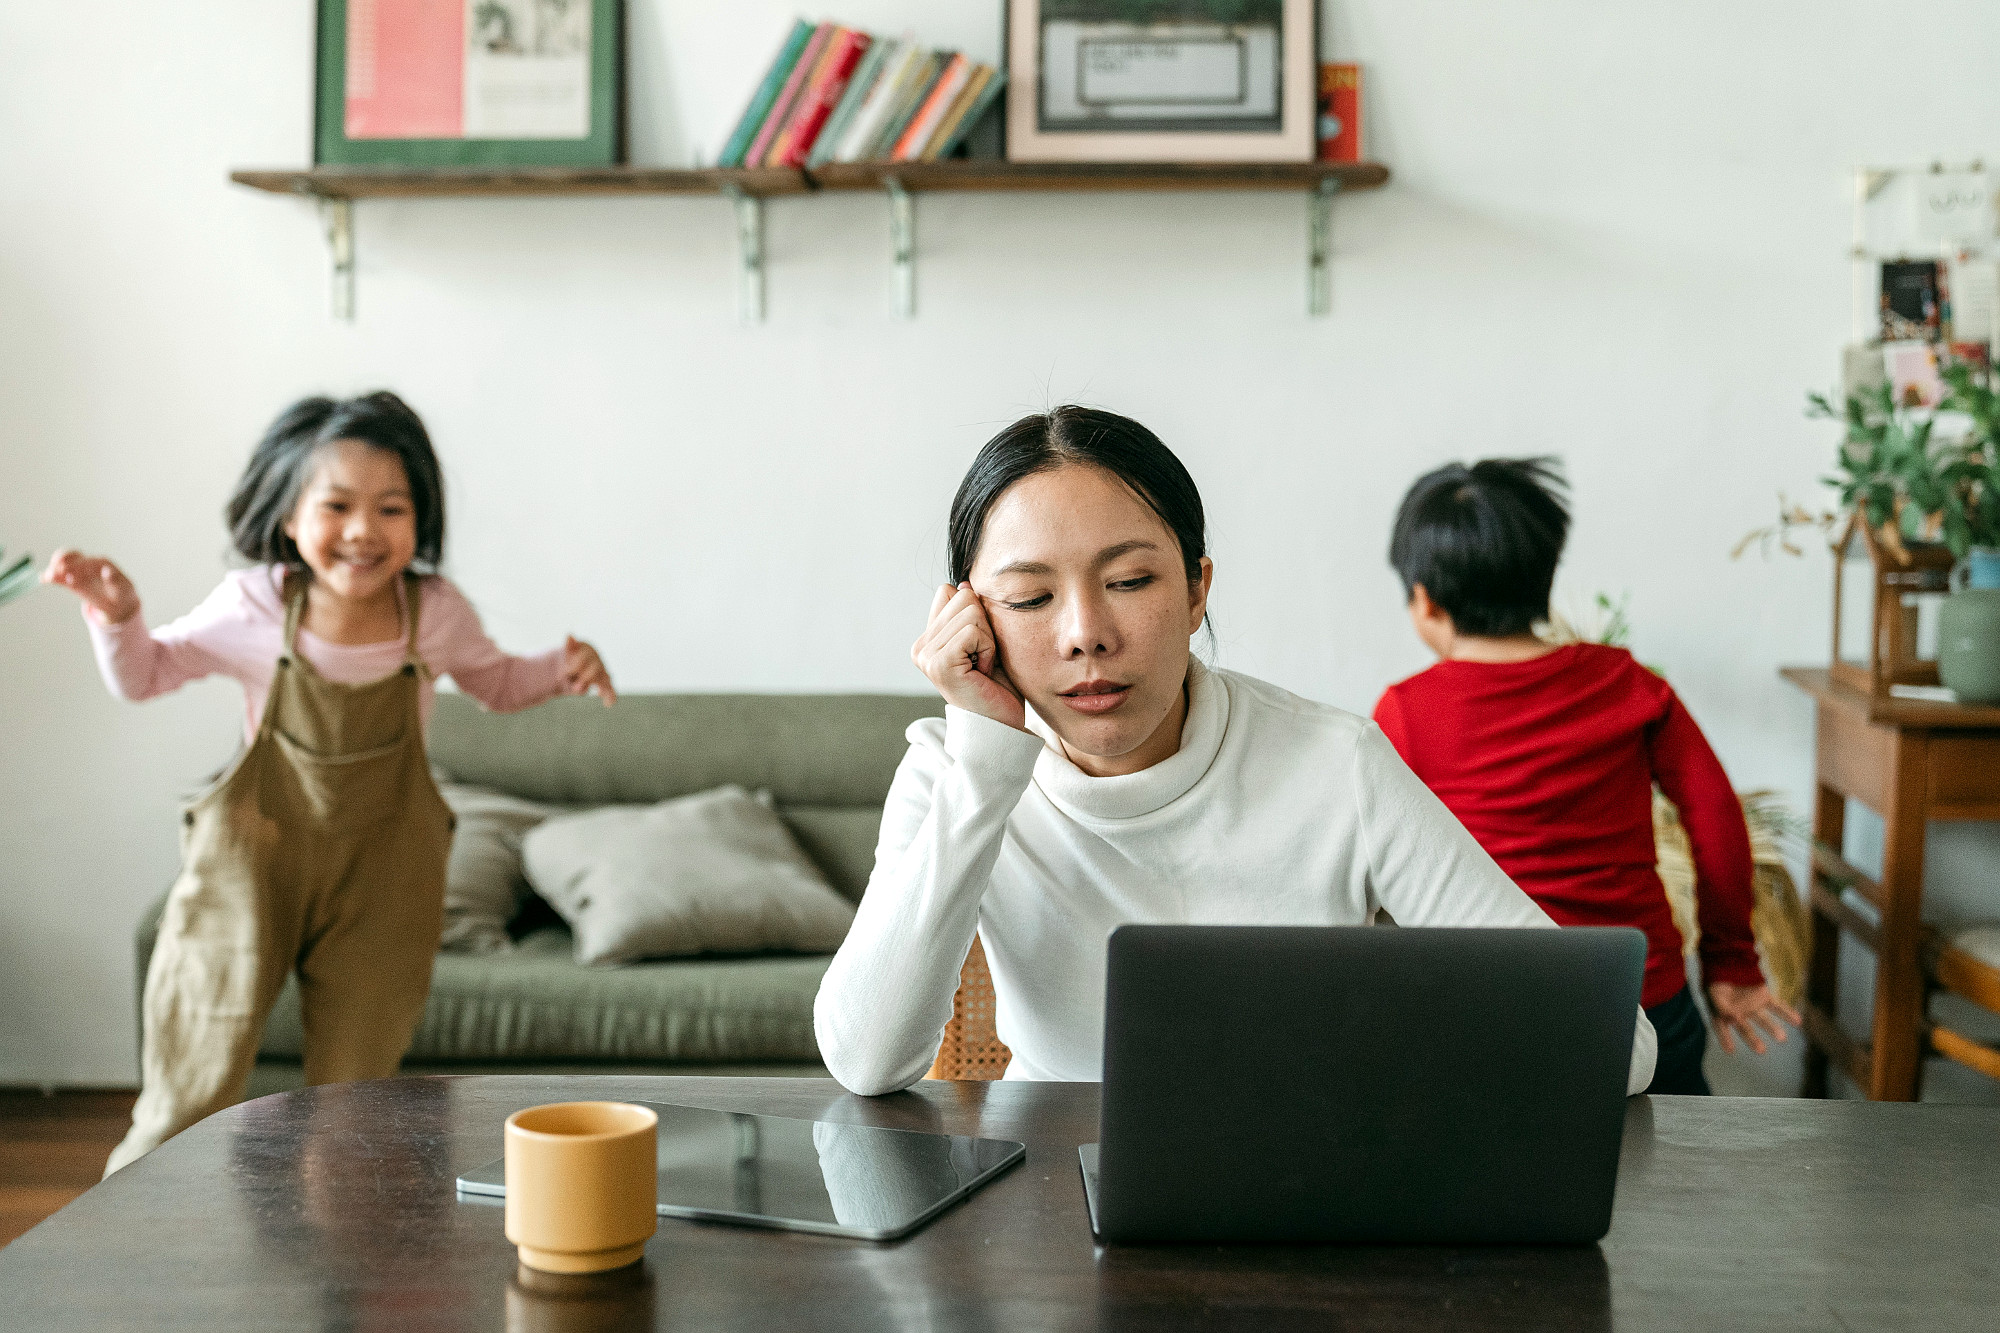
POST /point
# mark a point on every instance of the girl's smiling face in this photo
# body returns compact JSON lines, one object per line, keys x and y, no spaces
{"x":354,"y":524}
{"x":1092,"y":608}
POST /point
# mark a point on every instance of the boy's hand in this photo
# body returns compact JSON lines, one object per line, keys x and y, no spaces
{"x":583,"y":671}
{"x":961,"y":656}
{"x":107,"y":594}
{"x":1741,"y":1010}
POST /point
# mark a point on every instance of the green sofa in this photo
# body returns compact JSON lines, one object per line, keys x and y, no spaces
{"x":827,"y":759}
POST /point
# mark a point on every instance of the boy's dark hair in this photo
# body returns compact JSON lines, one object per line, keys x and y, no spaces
{"x":1484,"y":541}
{"x":282,"y":463}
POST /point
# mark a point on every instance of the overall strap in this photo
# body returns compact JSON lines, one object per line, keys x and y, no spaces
{"x":294,"y":592}
{"x":413,"y":587}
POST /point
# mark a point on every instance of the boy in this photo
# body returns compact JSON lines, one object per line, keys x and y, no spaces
{"x":1549,"y":755}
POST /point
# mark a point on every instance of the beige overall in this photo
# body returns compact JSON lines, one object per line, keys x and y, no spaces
{"x":322,"y":848}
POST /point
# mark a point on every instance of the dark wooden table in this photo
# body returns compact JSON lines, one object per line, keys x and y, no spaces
{"x":333,"y":1208}
{"x":1911,"y":761}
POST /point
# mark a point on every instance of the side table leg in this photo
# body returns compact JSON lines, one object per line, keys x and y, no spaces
{"x":1829,"y":828}
{"x":1899,"y":989}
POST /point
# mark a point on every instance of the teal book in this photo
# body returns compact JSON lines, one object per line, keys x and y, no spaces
{"x":864,"y":78}
{"x":767,"y":93}
{"x":980,"y":106}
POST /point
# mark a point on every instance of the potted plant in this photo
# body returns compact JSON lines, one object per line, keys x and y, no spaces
{"x":1920,"y":500}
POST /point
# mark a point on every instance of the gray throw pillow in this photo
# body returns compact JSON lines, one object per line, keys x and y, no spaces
{"x":716,"y":872}
{"x":484,"y":887}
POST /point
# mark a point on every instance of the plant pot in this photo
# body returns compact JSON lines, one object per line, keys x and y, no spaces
{"x":1969,"y":631}
{"x":1982,"y":568}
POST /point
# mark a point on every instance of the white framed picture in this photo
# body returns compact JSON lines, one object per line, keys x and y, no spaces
{"x":1161,"y":80}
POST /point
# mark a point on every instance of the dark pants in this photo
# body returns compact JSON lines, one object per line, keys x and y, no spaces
{"x":1683,"y":1038}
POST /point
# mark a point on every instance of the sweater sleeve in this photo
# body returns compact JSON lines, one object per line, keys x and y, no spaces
{"x":140,"y":664}
{"x":888,"y":992}
{"x":1428,"y":871}
{"x":1692,"y":777}
{"x":455,"y":644}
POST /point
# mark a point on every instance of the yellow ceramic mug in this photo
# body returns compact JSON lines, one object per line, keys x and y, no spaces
{"x":581,"y":1185}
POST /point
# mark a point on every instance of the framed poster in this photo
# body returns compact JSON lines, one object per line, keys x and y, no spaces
{"x":1162,"y":80}
{"x":497,"y":83}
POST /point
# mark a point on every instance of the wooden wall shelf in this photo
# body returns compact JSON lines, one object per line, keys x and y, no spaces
{"x":335,"y":189}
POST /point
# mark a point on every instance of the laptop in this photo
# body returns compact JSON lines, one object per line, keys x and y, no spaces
{"x":1363,"y":1084}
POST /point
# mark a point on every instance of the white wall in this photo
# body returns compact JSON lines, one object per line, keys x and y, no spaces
{"x":1615,"y":232}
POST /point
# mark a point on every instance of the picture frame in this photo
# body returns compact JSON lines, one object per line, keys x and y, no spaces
{"x":1162,"y":80}
{"x":469,"y":83}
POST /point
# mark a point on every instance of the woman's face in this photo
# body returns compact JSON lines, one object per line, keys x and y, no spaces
{"x":1092,"y":608}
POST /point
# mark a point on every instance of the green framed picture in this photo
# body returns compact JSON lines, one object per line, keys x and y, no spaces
{"x":470,"y":83}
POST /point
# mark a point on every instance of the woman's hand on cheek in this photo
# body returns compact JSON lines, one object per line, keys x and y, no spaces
{"x":959,"y":654}
{"x":583,"y":671}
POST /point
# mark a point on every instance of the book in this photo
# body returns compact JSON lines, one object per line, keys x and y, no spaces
{"x":936,"y":102}
{"x":947,"y":124}
{"x":976,"y":112}
{"x":821,"y":96}
{"x":882,"y":100}
{"x":808,"y":90}
{"x":767,"y":93}
{"x":909,"y":100}
{"x":858,"y":87}
{"x":781,"y":108}
{"x":1339,"y":113}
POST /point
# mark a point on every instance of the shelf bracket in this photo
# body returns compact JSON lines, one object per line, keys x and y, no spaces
{"x":903,"y":246}
{"x":749,"y":253}
{"x":337,"y":217}
{"x":1319,"y":247}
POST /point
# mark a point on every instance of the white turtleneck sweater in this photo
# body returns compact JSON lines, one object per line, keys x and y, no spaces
{"x":1275,"y":811}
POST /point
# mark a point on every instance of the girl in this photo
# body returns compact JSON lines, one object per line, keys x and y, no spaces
{"x":322,"y":847}
{"x":1089,"y":771}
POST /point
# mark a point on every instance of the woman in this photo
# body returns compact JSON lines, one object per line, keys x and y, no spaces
{"x":1089,"y":771}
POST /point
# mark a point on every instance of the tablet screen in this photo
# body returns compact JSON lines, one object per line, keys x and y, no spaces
{"x":802,"y":1175}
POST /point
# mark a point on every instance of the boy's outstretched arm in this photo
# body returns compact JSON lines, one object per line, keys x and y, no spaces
{"x":1692,"y":777}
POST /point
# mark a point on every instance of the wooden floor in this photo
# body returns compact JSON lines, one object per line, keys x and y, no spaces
{"x":52,"y":1148}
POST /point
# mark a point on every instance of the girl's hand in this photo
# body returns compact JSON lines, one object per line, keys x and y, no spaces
{"x":960,"y":655}
{"x":583,"y":671}
{"x":107,"y":594}
{"x":1743,"y":1009}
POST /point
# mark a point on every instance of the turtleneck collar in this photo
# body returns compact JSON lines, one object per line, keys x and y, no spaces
{"x":1130,"y":795}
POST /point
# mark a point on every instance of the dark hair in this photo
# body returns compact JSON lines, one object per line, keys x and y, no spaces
{"x":1484,"y":541}
{"x":1048,"y":440}
{"x":281,"y":465}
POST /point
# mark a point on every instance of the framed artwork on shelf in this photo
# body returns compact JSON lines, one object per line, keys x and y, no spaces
{"x":486,"y":83}
{"x":1162,"y":80}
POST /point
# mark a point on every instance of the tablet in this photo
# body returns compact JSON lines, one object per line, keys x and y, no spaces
{"x":802,"y":1175}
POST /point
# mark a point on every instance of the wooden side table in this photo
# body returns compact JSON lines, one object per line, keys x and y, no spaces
{"x":1910,"y":761}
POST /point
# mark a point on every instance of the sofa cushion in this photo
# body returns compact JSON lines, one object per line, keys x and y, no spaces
{"x":716,"y":872}
{"x":484,"y":887}
{"x":535,"y":1003}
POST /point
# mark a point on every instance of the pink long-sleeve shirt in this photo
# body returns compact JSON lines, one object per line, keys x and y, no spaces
{"x":239,"y":631}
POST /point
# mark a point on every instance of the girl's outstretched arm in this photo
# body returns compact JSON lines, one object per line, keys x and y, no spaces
{"x":455,"y":644}
{"x":136,"y":663}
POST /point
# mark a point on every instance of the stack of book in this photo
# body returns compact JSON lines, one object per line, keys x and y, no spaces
{"x":835,"y":94}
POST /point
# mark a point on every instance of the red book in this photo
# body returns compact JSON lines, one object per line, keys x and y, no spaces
{"x":821,"y":96}
{"x":781,"y":110}
{"x":1340,"y":113}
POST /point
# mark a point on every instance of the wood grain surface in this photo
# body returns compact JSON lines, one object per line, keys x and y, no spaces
{"x":334,"y":1208}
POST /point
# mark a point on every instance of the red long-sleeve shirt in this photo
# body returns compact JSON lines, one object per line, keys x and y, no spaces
{"x":1550,"y":765}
